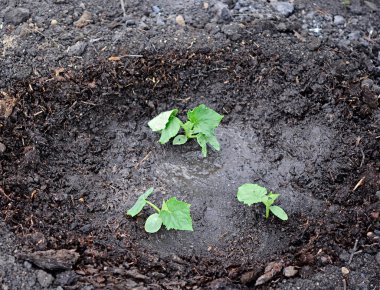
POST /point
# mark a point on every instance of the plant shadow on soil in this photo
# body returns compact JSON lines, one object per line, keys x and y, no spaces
{"x":90,"y":154}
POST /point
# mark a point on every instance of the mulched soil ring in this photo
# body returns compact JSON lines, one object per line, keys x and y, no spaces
{"x":79,"y":152}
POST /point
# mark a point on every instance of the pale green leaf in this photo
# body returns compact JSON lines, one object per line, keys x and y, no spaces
{"x":188,"y":127}
{"x":279,"y":212}
{"x":202,"y":141}
{"x":273,"y":196}
{"x":164,"y":206}
{"x":159,"y":122}
{"x":172,"y":128}
{"x":251,"y":193}
{"x":140,"y":203}
{"x":153,"y":223}
{"x":179,"y":140}
{"x":204,"y":119}
{"x":175,"y":214}
{"x":211,"y":139}
{"x":269,"y":199}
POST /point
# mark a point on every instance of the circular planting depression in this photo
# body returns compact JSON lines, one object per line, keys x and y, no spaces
{"x":296,"y":121}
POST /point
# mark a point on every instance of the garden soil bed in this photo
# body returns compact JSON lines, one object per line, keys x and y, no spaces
{"x":301,"y":118}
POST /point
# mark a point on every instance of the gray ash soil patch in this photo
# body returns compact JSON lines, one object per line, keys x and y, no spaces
{"x":210,"y":185}
{"x":89,"y":154}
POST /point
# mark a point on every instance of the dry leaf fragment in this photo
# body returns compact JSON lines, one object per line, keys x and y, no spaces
{"x":6,"y":105}
{"x":114,"y":58}
{"x":58,"y":71}
{"x":84,"y":20}
{"x":271,"y":270}
{"x":299,"y":36}
{"x":290,"y":271}
{"x":180,"y":20}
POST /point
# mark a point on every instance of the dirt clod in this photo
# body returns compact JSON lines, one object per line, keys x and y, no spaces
{"x":248,"y":277}
{"x":52,"y":260}
{"x":45,"y":279}
{"x":16,"y":15}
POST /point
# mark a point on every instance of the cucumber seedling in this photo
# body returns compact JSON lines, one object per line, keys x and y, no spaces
{"x":253,"y":193}
{"x":201,"y":124}
{"x":174,"y":214}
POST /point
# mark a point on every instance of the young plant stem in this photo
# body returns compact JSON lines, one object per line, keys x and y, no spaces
{"x":266,"y":211}
{"x":153,"y":206}
{"x":188,"y":132}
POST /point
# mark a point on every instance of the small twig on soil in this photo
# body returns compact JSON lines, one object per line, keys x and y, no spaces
{"x":353,"y":251}
{"x":133,"y":55}
{"x":142,"y":161}
{"x":88,"y":103}
{"x":369,"y":39}
{"x":184,"y":100}
{"x":38,"y":113}
{"x":123,"y":7}
{"x":360,"y":183}
{"x":3,"y":192}
{"x":33,"y":194}
{"x":363,"y":157}
{"x":344,"y":284}
{"x":72,"y":106}
{"x":221,"y":68}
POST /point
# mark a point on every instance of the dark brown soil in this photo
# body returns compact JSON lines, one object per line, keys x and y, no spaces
{"x":298,"y":119}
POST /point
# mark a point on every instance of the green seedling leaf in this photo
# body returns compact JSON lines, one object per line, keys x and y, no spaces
{"x":279,"y":212}
{"x":204,"y":119}
{"x":188,"y":127}
{"x":175,"y":214}
{"x":179,"y":140}
{"x":251,"y":193}
{"x":153,"y":223}
{"x":211,"y":139}
{"x":201,"y":125}
{"x":202,"y":141}
{"x":269,"y":199}
{"x":273,"y":196}
{"x":172,"y":128}
{"x":159,"y":123}
{"x":140,"y":203}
